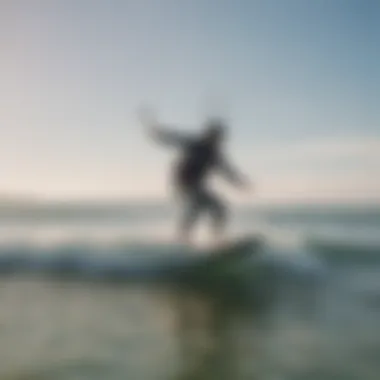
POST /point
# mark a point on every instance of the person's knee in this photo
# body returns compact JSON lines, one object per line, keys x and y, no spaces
{"x":220,"y":211}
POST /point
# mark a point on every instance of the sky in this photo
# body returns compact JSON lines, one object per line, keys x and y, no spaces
{"x":298,"y":82}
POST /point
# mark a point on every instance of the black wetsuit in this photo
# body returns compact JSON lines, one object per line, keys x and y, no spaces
{"x":199,"y":158}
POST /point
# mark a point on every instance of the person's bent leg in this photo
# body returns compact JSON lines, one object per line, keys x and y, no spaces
{"x":190,"y":215}
{"x":218,"y":212}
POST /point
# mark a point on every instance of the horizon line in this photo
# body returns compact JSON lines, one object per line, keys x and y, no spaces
{"x":25,"y":200}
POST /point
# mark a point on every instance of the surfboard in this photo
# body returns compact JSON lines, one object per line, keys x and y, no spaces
{"x":222,"y":264}
{"x":234,"y":250}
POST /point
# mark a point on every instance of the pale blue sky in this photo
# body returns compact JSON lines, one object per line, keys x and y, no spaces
{"x":298,"y":80}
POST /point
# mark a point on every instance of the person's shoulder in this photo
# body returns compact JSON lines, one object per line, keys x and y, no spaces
{"x":193,"y":141}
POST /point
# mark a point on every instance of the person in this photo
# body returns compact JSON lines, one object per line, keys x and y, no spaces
{"x":200,"y":156}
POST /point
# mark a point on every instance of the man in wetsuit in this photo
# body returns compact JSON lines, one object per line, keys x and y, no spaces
{"x":200,"y":156}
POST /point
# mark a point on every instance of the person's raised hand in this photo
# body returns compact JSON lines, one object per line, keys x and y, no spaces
{"x":147,"y":117}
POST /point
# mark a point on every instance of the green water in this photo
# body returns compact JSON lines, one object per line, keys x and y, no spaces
{"x":75,"y":330}
{"x":52,"y":329}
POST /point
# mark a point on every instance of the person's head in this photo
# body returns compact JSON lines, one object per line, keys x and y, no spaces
{"x":215,"y":131}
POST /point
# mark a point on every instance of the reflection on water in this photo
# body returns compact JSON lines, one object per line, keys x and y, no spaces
{"x":68,"y":330}
{"x":78,"y":330}
{"x":204,"y":331}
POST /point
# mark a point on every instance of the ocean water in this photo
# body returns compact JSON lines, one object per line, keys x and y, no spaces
{"x":84,"y":294}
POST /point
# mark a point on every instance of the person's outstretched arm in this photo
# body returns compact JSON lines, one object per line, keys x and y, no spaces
{"x":160,"y":133}
{"x":232,"y":174}
{"x":168,"y":136}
